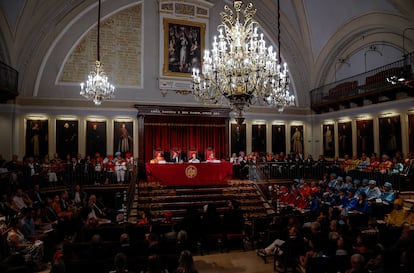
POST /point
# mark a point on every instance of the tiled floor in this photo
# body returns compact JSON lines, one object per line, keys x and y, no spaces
{"x":233,"y":261}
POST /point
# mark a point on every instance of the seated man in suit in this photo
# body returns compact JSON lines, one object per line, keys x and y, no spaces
{"x":175,"y":157}
{"x":194,"y":158}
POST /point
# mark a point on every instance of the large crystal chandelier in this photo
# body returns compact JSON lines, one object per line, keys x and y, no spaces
{"x":97,"y":87}
{"x":240,"y":70}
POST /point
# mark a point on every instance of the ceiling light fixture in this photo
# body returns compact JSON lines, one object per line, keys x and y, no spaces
{"x":240,"y":70}
{"x":97,"y":87}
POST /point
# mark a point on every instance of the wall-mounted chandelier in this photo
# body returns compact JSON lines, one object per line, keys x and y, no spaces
{"x":240,"y":70}
{"x":97,"y":87}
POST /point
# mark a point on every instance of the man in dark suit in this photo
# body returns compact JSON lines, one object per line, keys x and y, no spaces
{"x":175,"y":157}
{"x":36,"y":196}
{"x":78,"y":196}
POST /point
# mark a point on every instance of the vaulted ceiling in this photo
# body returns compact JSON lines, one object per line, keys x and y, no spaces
{"x":314,"y":34}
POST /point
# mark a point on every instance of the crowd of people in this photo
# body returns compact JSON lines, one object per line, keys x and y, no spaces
{"x":344,"y":217}
{"x":344,"y":208}
{"x":348,"y":194}
{"x":34,"y":224}
{"x":28,"y":217}
{"x":71,"y":170}
{"x":383,"y":164}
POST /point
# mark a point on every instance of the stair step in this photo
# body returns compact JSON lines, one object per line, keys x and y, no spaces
{"x":177,"y":200}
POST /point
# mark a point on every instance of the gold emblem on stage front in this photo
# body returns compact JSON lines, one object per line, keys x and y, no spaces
{"x":191,"y":171}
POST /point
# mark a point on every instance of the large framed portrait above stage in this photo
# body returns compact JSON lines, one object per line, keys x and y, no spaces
{"x":37,"y":138}
{"x":95,"y":138}
{"x":390,"y":135}
{"x":365,"y":137}
{"x":296,"y":139}
{"x":238,"y":138}
{"x":183,"y":44}
{"x":278,"y":139}
{"x":67,"y":132}
{"x":259,"y":138}
{"x":345,"y":138}
{"x":328,"y":140}
{"x":123,"y":137}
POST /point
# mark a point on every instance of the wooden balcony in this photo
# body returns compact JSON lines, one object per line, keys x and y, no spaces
{"x":8,"y":83}
{"x":386,"y":83}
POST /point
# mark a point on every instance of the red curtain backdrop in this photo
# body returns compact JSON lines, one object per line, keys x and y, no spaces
{"x":185,"y":133}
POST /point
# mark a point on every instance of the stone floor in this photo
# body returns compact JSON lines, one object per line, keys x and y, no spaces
{"x":233,"y":261}
{"x":229,"y":262}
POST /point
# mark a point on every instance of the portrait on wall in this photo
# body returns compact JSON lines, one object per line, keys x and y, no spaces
{"x":259,"y":138}
{"x":67,"y":132}
{"x":37,"y":138}
{"x":183,"y":46}
{"x":296,"y":139}
{"x":123,"y":137}
{"x":345,"y":138}
{"x":411,"y":132}
{"x":328,"y":140}
{"x":95,"y":138}
{"x":238,"y":138}
{"x":365,"y":137}
{"x":390,"y":135}
{"x":278,"y":139}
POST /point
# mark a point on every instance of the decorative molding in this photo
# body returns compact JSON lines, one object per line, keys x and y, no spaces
{"x":157,"y":110}
{"x":167,"y":84}
{"x":190,"y":14}
{"x":186,"y":8}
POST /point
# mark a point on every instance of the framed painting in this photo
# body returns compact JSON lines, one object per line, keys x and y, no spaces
{"x":328,"y":140}
{"x":183,"y":44}
{"x":411,"y":132}
{"x":296,"y":139}
{"x":278,"y":139}
{"x":238,"y":138}
{"x":259,"y":138}
{"x":365,"y":137}
{"x":37,"y":138}
{"x":390,"y":135}
{"x":95,"y":138}
{"x":123,"y":137}
{"x":345,"y":139}
{"x":67,"y":137}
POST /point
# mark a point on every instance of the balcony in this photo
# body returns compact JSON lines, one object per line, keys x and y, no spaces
{"x":8,"y":83}
{"x":386,"y":83}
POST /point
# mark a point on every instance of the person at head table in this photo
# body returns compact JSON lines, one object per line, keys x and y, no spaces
{"x":159,"y":158}
{"x":175,"y":157}
{"x":194,"y":159}
{"x":211,"y":157}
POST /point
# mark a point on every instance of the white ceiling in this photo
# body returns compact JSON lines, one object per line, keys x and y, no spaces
{"x":314,"y":33}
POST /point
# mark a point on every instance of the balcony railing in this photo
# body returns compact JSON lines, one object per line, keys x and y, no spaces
{"x":281,"y":170}
{"x":8,"y":82}
{"x":379,"y":81}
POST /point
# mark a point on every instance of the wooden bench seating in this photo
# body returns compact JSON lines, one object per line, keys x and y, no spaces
{"x":344,"y":89}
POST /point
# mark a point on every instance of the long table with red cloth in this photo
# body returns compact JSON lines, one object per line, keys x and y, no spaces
{"x":184,"y":174}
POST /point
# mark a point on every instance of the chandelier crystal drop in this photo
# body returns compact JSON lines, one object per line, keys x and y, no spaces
{"x":97,"y":87}
{"x":240,"y":70}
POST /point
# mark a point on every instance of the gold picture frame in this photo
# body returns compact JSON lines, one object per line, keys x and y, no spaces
{"x":36,"y":137}
{"x":123,"y":138}
{"x":184,"y":43}
{"x":67,"y":137}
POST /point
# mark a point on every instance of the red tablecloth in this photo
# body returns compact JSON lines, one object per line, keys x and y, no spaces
{"x":179,"y":174}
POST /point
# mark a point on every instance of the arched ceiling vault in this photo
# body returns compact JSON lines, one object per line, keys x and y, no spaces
{"x":314,"y":34}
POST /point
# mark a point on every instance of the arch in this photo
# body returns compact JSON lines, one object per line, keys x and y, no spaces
{"x":355,"y":35}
